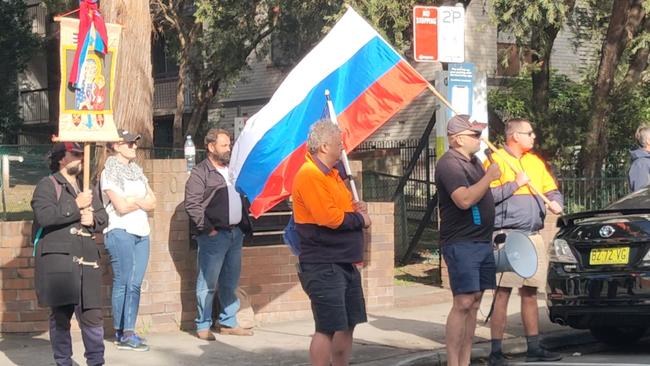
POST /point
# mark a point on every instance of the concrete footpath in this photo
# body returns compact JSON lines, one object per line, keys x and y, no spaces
{"x":411,"y":333}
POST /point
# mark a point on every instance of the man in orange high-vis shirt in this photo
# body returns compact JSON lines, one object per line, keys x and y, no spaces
{"x":517,"y":208}
{"x":330,"y":230}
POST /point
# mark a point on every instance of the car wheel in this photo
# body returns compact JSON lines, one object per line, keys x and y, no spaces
{"x":617,"y":336}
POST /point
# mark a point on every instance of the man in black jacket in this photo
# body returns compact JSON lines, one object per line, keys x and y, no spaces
{"x":218,"y":221}
{"x":68,"y":277}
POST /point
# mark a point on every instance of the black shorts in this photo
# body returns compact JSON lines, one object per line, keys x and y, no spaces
{"x":336,"y":295}
{"x":471,"y":266}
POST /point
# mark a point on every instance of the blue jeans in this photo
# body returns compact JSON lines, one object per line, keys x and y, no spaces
{"x":219,"y":262}
{"x":129,"y":259}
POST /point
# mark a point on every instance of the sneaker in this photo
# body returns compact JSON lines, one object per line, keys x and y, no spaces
{"x":133,"y":343}
{"x":119,"y":334}
{"x":497,"y":359}
{"x":542,"y":355}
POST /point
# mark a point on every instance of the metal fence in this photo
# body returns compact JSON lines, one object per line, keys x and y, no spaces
{"x":587,"y":194}
{"x":419,"y":188}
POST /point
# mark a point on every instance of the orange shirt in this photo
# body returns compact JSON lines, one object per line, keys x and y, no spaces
{"x":319,"y":198}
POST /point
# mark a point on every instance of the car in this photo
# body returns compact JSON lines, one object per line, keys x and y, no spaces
{"x":599,"y":270}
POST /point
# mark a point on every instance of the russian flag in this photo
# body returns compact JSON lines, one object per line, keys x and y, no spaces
{"x":368,"y":81}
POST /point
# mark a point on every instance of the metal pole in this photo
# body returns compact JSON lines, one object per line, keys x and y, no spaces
{"x":344,"y":155}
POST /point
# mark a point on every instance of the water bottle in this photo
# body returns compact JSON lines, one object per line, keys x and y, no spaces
{"x":190,"y":153}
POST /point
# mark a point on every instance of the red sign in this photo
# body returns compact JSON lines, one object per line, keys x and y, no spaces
{"x":425,"y":33}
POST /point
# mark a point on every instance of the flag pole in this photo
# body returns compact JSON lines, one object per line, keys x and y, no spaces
{"x":344,"y":155}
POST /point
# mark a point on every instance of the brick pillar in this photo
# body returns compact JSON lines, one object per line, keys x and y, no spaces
{"x":19,"y":310}
{"x":379,"y":256}
{"x":168,"y":291}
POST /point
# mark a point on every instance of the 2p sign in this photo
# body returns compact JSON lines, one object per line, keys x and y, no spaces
{"x":439,"y":33}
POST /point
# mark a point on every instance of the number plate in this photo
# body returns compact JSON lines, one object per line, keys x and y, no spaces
{"x":609,"y":256}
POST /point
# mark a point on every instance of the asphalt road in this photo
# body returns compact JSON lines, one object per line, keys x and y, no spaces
{"x":599,"y":354}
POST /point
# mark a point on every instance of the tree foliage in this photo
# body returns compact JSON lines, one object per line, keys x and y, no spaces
{"x":214,"y":41}
{"x":623,"y":61}
{"x":17,"y":44}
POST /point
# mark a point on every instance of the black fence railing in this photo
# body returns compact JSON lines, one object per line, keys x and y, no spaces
{"x":587,"y":194}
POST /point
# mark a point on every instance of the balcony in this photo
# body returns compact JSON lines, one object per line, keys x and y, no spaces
{"x":34,"y":106}
{"x":164,"y":96}
{"x":37,"y":11}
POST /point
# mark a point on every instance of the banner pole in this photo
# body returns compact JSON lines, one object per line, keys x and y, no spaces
{"x":344,"y":155}
{"x":86,"y":169}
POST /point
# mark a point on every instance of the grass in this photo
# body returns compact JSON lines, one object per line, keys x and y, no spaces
{"x":18,"y":206}
{"x":424,"y":269}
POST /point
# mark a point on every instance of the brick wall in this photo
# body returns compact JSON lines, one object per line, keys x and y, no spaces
{"x":547,"y":233}
{"x":269,"y":280}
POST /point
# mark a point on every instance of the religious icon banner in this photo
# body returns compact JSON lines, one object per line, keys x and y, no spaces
{"x":86,"y":106}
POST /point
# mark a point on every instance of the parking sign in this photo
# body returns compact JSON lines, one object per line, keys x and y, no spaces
{"x":439,"y":33}
{"x":451,"y":34}
{"x":425,"y":33}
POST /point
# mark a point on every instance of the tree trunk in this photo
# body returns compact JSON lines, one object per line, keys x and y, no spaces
{"x":541,"y":75}
{"x":541,"y":43}
{"x":133,"y":97}
{"x":639,"y":61}
{"x":595,"y":144}
{"x":198,"y":112}
{"x":180,"y":106}
{"x":201,"y":104}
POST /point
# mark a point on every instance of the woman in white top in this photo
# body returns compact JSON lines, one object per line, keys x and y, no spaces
{"x":127,"y":198}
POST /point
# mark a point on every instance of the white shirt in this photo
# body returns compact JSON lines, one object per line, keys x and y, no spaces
{"x":135,"y":222}
{"x":234,"y":200}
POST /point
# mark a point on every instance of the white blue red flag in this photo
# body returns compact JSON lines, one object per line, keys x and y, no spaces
{"x":368,"y":81}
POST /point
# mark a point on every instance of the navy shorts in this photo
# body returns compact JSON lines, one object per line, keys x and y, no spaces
{"x":336,"y":295}
{"x":470,"y":265}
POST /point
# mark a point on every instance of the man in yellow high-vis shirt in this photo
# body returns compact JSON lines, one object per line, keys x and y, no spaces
{"x":518,"y":208}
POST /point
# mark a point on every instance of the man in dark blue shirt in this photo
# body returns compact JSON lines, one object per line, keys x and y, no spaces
{"x":466,"y":225}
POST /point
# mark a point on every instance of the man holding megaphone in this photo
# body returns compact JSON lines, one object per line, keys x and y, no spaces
{"x":520,"y":195}
{"x":466,"y":225}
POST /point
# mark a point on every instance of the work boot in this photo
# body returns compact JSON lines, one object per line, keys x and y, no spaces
{"x":541,"y":354}
{"x":497,"y":359}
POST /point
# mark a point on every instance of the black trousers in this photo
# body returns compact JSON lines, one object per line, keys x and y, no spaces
{"x":92,"y":334}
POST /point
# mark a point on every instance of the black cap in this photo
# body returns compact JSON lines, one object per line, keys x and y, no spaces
{"x":127,"y":136}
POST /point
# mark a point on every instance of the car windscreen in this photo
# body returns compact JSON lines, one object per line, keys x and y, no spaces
{"x":638,"y":199}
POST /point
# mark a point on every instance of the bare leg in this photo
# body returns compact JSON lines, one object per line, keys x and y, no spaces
{"x":529,"y":311}
{"x":500,"y":312}
{"x":470,"y":328}
{"x":320,"y":349}
{"x":342,"y":347}
{"x":457,"y":324}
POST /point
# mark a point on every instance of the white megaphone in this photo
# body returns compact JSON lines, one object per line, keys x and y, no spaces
{"x":517,"y":255}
